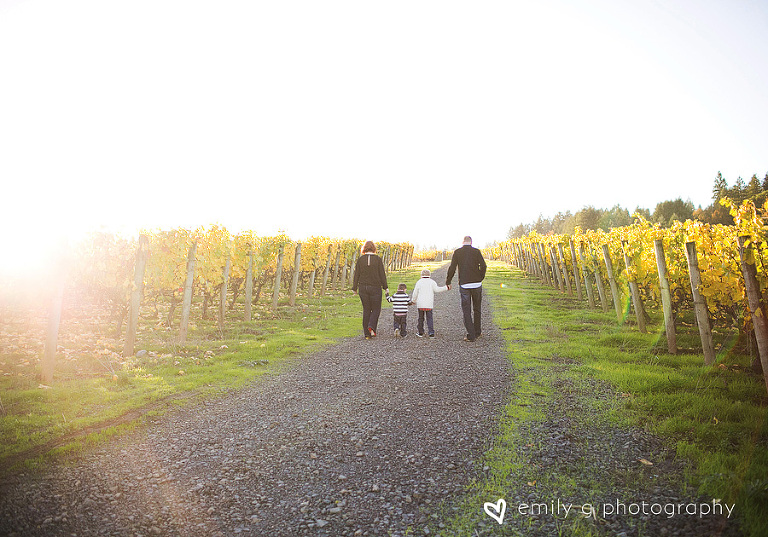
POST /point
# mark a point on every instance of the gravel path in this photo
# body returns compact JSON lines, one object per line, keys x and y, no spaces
{"x":365,"y":438}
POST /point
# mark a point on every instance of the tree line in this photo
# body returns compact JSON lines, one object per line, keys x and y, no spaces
{"x":665,"y":212}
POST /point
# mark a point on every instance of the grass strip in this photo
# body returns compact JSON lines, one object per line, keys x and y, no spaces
{"x":713,"y":419}
{"x":39,"y":423}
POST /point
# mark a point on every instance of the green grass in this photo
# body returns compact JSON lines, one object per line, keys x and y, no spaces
{"x":99,"y":395}
{"x":714,"y":418}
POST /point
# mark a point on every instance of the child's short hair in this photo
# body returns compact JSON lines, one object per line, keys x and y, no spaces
{"x":402,"y":287}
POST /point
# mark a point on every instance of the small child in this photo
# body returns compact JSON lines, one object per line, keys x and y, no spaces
{"x":424,"y":297}
{"x":400,"y":302}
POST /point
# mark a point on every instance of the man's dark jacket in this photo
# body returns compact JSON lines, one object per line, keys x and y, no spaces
{"x":471,"y":265}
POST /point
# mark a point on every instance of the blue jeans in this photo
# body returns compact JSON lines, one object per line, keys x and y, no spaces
{"x":430,"y":323}
{"x":470,"y":303}
{"x":370,"y":296}
{"x":400,"y":323}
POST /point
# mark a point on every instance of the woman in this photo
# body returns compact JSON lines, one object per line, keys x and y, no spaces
{"x":370,"y":278}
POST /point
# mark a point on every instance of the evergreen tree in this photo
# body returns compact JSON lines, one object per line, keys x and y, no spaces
{"x":720,"y":188}
{"x":765,"y":183}
{"x":616,"y":217}
{"x":738,"y":192}
{"x":753,"y":188}
{"x":667,"y":212}
{"x":588,"y":218}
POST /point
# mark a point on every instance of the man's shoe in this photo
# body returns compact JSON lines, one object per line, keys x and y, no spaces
{"x":432,"y":335}
{"x":419,"y":335}
{"x":466,"y":338}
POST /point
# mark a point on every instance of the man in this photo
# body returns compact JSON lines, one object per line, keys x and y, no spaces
{"x":471,"y":267}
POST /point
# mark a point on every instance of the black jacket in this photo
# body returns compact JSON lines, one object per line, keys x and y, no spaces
{"x":369,"y":270}
{"x":471,"y":265}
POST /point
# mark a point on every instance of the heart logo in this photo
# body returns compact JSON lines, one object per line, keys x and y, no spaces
{"x":496,"y":510}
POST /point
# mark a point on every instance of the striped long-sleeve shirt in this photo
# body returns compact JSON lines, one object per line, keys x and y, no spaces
{"x":400,"y":301}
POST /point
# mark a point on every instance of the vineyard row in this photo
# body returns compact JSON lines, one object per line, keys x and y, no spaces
{"x":720,"y":272}
{"x":178,"y":264}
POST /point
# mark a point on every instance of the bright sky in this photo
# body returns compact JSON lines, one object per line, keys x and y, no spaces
{"x":416,"y":121}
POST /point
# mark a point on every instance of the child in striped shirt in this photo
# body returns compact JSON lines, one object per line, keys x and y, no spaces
{"x":400,"y":302}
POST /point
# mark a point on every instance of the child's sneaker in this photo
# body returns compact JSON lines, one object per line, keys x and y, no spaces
{"x":397,"y":332}
{"x":432,"y":336}
{"x":419,"y":335}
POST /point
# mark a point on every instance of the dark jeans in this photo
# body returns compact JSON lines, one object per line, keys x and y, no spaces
{"x":400,"y":323}
{"x":370,"y":296}
{"x":430,"y":322}
{"x":470,"y":303}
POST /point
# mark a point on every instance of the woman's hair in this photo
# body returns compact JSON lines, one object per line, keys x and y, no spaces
{"x":369,"y":247}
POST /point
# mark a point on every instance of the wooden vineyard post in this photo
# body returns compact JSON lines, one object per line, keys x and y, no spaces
{"x":249,"y":288}
{"x":530,"y":265}
{"x":666,"y":298}
{"x":587,"y":280}
{"x":749,"y":270}
{"x":138,"y":287}
{"x":543,"y":262}
{"x":186,"y":304}
{"x":344,"y":270}
{"x":533,"y":259}
{"x":599,"y":283}
{"x":224,"y":288}
{"x":559,"y":285}
{"x":335,"y":277}
{"x":296,"y":273}
{"x":565,"y":269}
{"x":54,"y":320}
{"x":612,"y":282}
{"x":635,"y":291}
{"x":352,"y":266}
{"x":327,"y":269}
{"x":576,"y":276}
{"x":550,"y":270}
{"x":537,"y":261}
{"x":700,"y":304}
{"x":278,"y":276}
{"x":311,"y":290}
{"x":312,"y":276}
